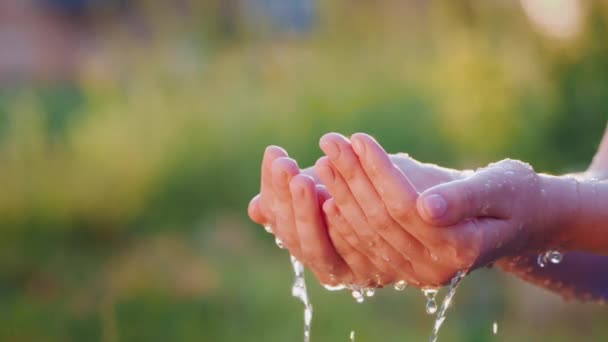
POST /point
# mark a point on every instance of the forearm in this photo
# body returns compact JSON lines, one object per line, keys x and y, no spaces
{"x":574,"y":216}
{"x":577,"y":207}
{"x":579,"y":276}
{"x":576,"y":221}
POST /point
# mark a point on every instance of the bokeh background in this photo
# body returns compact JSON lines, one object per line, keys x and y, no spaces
{"x":131,"y":135}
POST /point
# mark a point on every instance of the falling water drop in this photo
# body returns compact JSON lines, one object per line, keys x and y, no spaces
{"x":431,"y":307}
{"x":279,"y":243}
{"x":299,"y":291}
{"x":495,"y":328}
{"x":352,"y":336}
{"x":400,"y":285}
{"x":447,"y":301}
{"x":431,"y":304}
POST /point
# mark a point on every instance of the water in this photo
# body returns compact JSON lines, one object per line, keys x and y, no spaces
{"x":431,"y":304}
{"x":299,"y":291}
{"x":495,"y":328}
{"x":447,"y":301}
{"x":268,"y":228}
{"x":400,"y":285}
{"x":552,"y":256}
{"x":358,"y":294}
{"x":332,"y":288}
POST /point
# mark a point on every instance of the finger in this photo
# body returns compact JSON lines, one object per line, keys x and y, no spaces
{"x":347,"y":163}
{"x":362,"y":237}
{"x":483,"y":194}
{"x":254,"y":211}
{"x":363,"y":272}
{"x":283,"y":170}
{"x":322,"y":194}
{"x":397,"y":192}
{"x":484,"y":240}
{"x":317,"y":250}
{"x":266,"y":187}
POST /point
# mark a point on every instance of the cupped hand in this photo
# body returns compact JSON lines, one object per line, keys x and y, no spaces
{"x":467,"y":220}
{"x":289,"y":203}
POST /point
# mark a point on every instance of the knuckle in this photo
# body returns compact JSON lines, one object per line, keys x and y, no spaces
{"x":349,"y":174}
{"x":400,"y":212}
{"x":378,"y":217}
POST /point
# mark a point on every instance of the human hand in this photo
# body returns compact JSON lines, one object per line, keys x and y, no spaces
{"x":289,"y":206}
{"x":306,"y":238}
{"x":426,"y":238}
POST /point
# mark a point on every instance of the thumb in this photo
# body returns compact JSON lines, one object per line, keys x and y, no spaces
{"x":480,"y":195}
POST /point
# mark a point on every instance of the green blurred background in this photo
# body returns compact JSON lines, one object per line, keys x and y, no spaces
{"x":131,"y":135}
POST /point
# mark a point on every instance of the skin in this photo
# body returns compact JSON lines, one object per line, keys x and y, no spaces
{"x":381,"y":225}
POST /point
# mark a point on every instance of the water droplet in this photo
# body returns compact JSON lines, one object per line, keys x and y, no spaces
{"x":338,"y":287}
{"x":386,"y":258}
{"x":495,"y":328}
{"x":400,"y":285}
{"x":358,"y":295}
{"x":540,"y":260}
{"x":431,"y":307}
{"x":555,"y":257}
{"x":552,"y":256}
{"x":352,"y":336}
{"x":431,"y":304}
{"x":279,"y":243}
{"x":370,"y":292}
{"x":268,"y":228}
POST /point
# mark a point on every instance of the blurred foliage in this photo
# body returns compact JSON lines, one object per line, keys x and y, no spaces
{"x":122,"y":211}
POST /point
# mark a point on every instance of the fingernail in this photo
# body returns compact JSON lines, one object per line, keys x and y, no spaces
{"x":330,"y":149}
{"x":435,"y":206}
{"x":358,"y":147}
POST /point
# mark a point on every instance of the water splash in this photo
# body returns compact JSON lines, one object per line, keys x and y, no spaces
{"x":447,"y":301}
{"x":551,"y":256}
{"x":299,"y":291}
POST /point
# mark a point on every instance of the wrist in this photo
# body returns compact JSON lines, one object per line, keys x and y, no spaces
{"x":559,"y":206}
